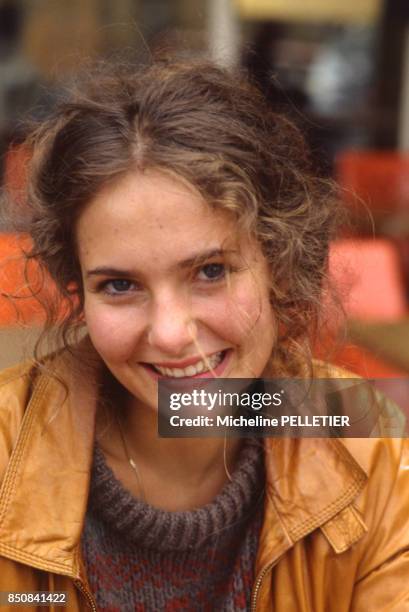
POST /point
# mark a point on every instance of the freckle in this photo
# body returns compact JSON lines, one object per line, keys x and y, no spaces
{"x":158,"y":223}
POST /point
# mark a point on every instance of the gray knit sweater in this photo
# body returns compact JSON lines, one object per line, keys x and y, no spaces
{"x":140,"y":558}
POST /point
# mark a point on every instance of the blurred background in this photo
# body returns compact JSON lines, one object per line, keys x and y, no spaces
{"x":339,"y":69}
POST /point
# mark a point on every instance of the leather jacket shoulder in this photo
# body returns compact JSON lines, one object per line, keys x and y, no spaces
{"x":335,"y":535}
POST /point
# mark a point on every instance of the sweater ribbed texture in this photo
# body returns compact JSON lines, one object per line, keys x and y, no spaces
{"x":140,"y":558}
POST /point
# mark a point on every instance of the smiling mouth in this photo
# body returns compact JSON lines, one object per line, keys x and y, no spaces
{"x":199,"y":367}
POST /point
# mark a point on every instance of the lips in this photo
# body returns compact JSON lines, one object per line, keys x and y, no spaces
{"x":203,"y":365}
{"x":212,"y":365}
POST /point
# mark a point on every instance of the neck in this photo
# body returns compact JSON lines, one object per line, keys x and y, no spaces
{"x":188,"y":471}
{"x":190,"y":458}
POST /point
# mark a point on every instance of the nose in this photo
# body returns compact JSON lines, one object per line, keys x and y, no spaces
{"x":172,"y":329}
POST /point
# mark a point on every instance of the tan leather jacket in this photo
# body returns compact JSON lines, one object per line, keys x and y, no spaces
{"x":335,"y":535}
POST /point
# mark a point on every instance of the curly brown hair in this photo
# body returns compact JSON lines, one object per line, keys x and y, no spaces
{"x":214,"y":129}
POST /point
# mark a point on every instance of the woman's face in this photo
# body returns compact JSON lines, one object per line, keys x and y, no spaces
{"x":171,"y":287}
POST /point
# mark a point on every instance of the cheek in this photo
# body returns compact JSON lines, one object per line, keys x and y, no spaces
{"x":240,"y":314}
{"x":115,"y":332}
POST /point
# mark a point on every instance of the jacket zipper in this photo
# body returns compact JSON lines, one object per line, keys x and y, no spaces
{"x":258,"y":582}
{"x":86,"y":594}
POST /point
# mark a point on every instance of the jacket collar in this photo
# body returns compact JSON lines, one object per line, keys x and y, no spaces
{"x":44,"y":491}
{"x":309,"y":481}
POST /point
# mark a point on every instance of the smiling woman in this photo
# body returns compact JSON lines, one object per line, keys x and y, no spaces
{"x":156,"y":303}
{"x":180,"y":219}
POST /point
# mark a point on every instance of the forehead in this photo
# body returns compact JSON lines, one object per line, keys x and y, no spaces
{"x":153,"y":214}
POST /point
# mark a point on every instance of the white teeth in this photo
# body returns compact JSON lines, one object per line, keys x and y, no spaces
{"x":199,"y":367}
{"x":190,"y":370}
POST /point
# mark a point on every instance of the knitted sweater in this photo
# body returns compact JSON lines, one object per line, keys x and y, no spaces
{"x":140,"y":558}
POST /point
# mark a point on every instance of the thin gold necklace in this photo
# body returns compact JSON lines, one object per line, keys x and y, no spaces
{"x":134,"y":467}
{"x":131,"y":461}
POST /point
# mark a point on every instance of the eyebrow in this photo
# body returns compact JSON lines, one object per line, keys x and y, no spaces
{"x":195,"y":260}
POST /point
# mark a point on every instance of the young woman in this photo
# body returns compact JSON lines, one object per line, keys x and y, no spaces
{"x":180,"y":220}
